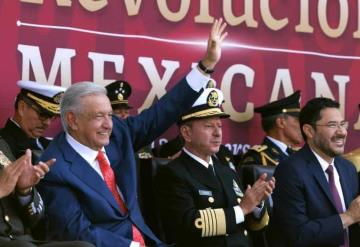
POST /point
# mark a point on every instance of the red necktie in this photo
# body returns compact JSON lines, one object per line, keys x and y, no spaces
{"x":109,"y":178}
{"x":336,"y":197}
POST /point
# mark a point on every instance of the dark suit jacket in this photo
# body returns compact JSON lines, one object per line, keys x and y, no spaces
{"x":79,"y":204}
{"x":304,"y":212}
{"x":188,"y":196}
{"x":16,"y":220}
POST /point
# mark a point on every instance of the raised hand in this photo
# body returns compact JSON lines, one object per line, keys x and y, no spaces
{"x":216,"y":37}
{"x":10,"y":174}
{"x":32,"y":174}
{"x":260,"y":190}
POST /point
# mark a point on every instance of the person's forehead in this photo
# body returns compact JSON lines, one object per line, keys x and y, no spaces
{"x":331,"y":114}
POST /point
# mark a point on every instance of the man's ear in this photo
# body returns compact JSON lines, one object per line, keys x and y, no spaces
{"x":280,"y":122}
{"x":308,"y":131}
{"x":71,"y":120}
{"x":185,"y":132}
{"x":21,"y":108}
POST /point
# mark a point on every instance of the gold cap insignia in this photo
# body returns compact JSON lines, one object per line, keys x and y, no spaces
{"x":213,"y":99}
{"x":120,"y":96}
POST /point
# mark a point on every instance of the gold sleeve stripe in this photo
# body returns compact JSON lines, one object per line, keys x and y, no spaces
{"x":256,"y":225}
{"x":213,"y":217}
{"x":212,"y":222}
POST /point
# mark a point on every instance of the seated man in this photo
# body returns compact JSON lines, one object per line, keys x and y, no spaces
{"x":201,"y":201}
{"x":91,"y":192}
{"x":36,"y":106}
{"x":21,"y":205}
{"x":280,"y":121}
{"x":316,"y":201}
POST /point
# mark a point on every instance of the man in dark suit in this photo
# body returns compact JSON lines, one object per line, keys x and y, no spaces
{"x":91,"y":192}
{"x":316,"y":200}
{"x":280,"y":121}
{"x":36,"y":106}
{"x":21,"y":206}
{"x":201,"y":202}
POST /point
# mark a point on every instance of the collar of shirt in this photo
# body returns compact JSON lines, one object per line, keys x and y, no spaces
{"x":201,"y":161}
{"x":279,"y":144}
{"x":85,"y":152}
{"x":324,"y":164}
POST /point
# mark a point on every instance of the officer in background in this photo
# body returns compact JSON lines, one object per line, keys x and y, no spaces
{"x":119,"y":92}
{"x":280,"y":121}
{"x":201,"y":201}
{"x":36,"y":106}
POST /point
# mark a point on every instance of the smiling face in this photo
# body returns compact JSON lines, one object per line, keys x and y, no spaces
{"x":328,"y":141}
{"x":93,"y":125}
{"x":203,"y":137}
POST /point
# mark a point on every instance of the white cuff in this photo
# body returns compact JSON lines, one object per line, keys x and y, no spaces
{"x":239,"y":215}
{"x":197,"y":80}
{"x":134,"y":244}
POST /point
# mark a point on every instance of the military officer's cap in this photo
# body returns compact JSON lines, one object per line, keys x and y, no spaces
{"x":207,"y":105}
{"x":118,"y":93}
{"x":46,"y":97}
{"x":288,"y":105}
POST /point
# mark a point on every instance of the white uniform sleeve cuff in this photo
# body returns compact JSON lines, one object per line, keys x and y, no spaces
{"x":239,"y":215}
{"x":197,"y":80}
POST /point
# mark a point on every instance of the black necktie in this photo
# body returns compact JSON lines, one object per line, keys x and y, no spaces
{"x":211,"y":169}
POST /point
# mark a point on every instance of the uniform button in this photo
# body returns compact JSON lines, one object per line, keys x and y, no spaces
{"x":7,"y":219}
{"x":245,"y":233}
{"x":211,"y":199}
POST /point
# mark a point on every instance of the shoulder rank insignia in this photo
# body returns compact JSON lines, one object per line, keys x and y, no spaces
{"x":237,"y":189}
{"x":259,"y":148}
{"x":4,"y":161}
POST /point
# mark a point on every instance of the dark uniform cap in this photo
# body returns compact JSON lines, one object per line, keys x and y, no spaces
{"x":118,"y":93}
{"x":288,"y":105}
{"x":207,"y":105}
{"x":46,"y":97}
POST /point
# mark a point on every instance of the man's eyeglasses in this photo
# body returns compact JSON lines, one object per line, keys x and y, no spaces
{"x":335,"y":125}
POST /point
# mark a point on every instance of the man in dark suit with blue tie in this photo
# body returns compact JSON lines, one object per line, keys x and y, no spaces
{"x":91,"y":192}
{"x":316,"y":200}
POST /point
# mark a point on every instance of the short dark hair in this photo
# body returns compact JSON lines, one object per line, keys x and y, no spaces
{"x":311,"y":112}
{"x":267,"y":123}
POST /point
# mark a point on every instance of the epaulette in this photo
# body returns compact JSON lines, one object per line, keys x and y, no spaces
{"x":259,"y":148}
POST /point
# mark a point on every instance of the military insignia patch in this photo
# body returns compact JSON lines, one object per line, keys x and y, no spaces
{"x":237,"y":189}
{"x":4,"y":161}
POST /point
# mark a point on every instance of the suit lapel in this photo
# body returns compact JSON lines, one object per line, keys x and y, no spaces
{"x":81,"y":169}
{"x":227,"y":182}
{"x":200,"y":173}
{"x":318,"y":173}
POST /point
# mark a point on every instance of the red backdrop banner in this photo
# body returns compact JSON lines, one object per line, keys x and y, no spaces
{"x":274,"y":47}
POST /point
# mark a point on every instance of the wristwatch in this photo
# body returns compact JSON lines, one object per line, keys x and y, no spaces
{"x":204,"y":69}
